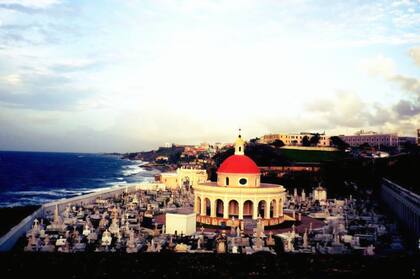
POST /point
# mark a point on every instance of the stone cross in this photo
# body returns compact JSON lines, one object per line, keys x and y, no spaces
{"x":305,"y":239}
{"x":199,"y":244}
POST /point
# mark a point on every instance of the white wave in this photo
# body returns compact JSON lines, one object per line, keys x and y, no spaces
{"x":118,"y":183}
{"x":14,"y":204}
{"x":34,"y":193}
{"x":137,"y":162}
{"x":26,"y":201}
{"x":23,"y":198}
{"x":130,"y":170}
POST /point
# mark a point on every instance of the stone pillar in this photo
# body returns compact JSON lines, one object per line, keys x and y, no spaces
{"x":241,"y":210}
{"x":276,"y":209}
{"x":225,"y":209}
{"x":267,"y":210}
{"x":280,"y":207}
{"x":196,"y":209}
{"x":203,"y":207}
{"x":255,"y":210}
{"x":213,"y":208}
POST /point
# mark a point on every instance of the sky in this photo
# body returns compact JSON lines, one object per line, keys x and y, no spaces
{"x":127,"y":75}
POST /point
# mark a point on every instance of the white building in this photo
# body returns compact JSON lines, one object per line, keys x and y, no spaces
{"x":295,"y":139}
{"x":183,"y":177}
{"x":181,"y":222}
{"x":371,"y":138}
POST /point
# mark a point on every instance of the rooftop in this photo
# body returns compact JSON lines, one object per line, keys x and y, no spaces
{"x":239,"y":164}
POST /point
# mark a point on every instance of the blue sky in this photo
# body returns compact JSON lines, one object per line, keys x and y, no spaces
{"x":114,"y":75}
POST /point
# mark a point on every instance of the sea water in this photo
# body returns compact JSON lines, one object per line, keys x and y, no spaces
{"x":31,"y":178}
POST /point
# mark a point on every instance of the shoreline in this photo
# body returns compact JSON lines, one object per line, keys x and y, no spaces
{"x":159,"y":167}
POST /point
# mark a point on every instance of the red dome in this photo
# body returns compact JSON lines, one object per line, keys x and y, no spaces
{"x":238,"y":164}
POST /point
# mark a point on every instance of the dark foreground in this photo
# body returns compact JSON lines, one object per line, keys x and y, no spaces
{"x":11,"y":216}
{"x":100,"y":265}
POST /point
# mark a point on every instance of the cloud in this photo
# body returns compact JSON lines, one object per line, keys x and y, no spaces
{"x":409,"y":104}
{"x":40,"y":91}
{"x":75,"y":65}
{"x":378,"y":66}
{"x":409,"y":107}
{"x":415,"y":55}
{"x":345,"y":109}
{"x":406,"y":108}
{"x":11,"y":79}
{"x":379,"y":115}
{"x":30,"y":4}
{"x":188,"y":71}
{"x":409,"y":84}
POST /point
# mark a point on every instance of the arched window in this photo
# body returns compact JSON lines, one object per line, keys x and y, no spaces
{"x":227,"y":181}
{"x":240,"y":149}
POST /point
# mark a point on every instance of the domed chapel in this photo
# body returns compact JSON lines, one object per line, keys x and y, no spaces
{"x":238,"y":195}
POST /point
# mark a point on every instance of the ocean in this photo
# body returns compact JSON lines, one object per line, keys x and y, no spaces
{"x":33,"y":178}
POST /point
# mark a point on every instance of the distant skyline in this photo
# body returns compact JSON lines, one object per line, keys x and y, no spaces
{"x":113,"y":75}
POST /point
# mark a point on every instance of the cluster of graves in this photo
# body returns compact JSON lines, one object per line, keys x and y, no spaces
{"x":127,"y":222}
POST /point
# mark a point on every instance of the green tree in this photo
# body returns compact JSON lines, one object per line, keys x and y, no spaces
{"x":305,"y":141}
{"x":339,"y":143}
{"x":277,"y":143}
{"x":365,"y":146}
{"x":314,"y":140}
{"x":254,"y":140}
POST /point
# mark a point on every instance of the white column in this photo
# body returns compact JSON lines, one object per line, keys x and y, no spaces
{"x":225,"y":209}
{"x":276,"y":209}
{"x":241,"y":210}
{"x":280,"y":207}
{"x":213,"y":208}
{"x":196,"y":209}
{"x":203,"y":207}
{"x":267,"y":210}
{"x":255,"y":210}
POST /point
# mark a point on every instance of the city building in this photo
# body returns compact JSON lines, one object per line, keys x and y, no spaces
{"x":170,"y":179}
{"x":238,"y":195}
{"x":371,"y":138}
{"x":294,"y":139}
{"x":162,"y":159}
{"x":183,"y":177}
{"x":191,"y":176}
{"x":405,"y":140}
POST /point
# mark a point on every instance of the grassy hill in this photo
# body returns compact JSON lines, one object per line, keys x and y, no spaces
{"x":306,"y":156}
{"x":268,"y":155}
